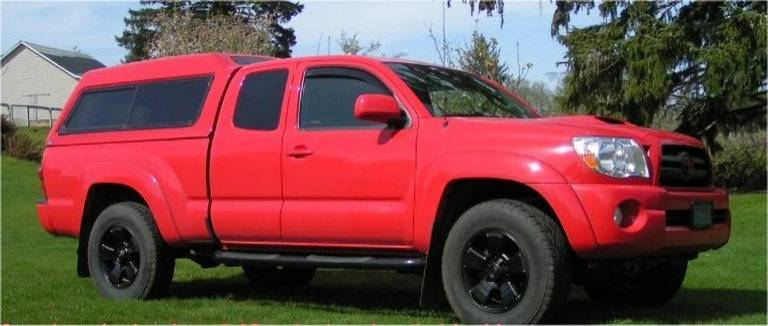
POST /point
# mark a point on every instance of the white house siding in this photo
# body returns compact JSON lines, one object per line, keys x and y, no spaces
{"x":24,"y":72}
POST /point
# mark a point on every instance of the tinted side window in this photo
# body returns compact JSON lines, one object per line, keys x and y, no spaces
{"x":102,"y":110}
{"x":329,"y":96}
{"x":161,"y":104}
{"x":260,"y":100}
{"x":174,"y":103}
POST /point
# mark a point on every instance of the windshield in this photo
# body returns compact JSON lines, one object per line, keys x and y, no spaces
{"x":447,"y":92}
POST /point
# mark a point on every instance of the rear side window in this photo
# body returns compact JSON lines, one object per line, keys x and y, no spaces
{"x":102,"y":110}
{"x":141,"y":106}
{"x":175,"y":103}
{"x":329,"y":96}
{"x":261,"y":100}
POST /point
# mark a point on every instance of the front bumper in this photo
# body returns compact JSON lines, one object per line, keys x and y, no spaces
{"x":657,"y":230}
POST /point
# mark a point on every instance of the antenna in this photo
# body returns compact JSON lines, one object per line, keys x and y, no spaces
{"x":319,"y":43}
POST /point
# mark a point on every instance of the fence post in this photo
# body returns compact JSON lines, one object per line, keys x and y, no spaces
{"x":28,"y":122}
{"x":50,"y":117}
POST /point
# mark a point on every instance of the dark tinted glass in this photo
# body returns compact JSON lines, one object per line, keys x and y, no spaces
{"x":174,"y":103}
{"x":260,"y":100}
{"x":102,"y":110}
{"x":329,"y":97}
{"x":162,"y":104}
{"x":249,"y":59}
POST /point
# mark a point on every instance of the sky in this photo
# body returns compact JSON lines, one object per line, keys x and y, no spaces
{"x":400,"y":26}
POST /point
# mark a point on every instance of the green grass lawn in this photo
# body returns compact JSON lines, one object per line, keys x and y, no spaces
{"x":39,"y":284}
{"x":37,"y":134}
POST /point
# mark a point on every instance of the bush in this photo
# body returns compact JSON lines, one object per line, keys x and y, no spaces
{"x":7,"y":128}
{"x":741,"y":165}
{"x":17,"y":144}
{"x":23,"y":147}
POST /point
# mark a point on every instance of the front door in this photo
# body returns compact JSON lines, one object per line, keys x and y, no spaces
{"x":346,"y":182}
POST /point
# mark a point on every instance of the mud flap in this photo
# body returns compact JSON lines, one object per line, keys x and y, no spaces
{"x":432,"y":294}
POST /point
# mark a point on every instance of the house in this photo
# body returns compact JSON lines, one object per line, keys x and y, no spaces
{"x":39,"y":75}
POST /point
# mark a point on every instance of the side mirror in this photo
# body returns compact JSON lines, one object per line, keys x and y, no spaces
{"x":378,"y":108}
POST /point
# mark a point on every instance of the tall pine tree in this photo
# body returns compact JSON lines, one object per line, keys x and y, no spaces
{"x":702,"y":62}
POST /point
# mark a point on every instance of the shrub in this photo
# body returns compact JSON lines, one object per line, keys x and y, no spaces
{"x":7,"y":128}
{"x":741,"y":165}
{"x":23,"y":147}
{"x":17,"y":144}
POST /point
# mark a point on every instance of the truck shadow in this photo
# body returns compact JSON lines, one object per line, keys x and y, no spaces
{"x":330,"y":290}
{"x":690,"y":306}
{"x":392,"y":292}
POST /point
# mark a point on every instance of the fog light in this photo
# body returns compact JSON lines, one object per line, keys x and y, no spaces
{"x":626,"y":213}
{"x":618,"y":217}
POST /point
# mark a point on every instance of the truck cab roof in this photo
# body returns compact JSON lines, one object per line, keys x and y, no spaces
{"x":201,"y":64}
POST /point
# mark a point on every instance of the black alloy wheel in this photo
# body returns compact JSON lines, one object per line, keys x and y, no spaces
{"x":119,"y":256}
{"x":127,"y":258}
{"x":506,"y":262}
{"x":494,"y":271}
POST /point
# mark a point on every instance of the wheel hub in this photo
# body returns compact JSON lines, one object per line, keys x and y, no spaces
{"x":120,"y":259}
{"x":494,"y":271}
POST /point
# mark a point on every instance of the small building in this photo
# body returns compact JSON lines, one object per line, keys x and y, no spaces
{"x":39,"y":75}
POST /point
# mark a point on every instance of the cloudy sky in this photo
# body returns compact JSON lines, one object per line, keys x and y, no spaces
{"x":401,"y":27}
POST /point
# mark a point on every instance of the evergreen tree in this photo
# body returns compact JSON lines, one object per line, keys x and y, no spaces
{"x":705,"y":62}
{"x":483,"y":57}
{"x":701,"y":62}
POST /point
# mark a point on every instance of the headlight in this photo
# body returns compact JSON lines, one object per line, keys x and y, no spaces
{"x":615,"y":157}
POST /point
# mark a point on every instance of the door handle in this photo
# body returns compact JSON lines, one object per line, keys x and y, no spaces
{"x":299,"y":152}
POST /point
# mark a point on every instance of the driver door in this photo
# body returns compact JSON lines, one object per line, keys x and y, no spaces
{"x":346,"y":182}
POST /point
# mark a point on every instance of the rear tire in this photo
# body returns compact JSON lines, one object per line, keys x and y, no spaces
{"x":266,"y":277}
{"x":126,"y":255}
{"x":636,"y":283}
{"x":506,"y":262}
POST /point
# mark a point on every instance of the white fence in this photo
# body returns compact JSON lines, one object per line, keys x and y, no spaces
{"x":30,"y":115}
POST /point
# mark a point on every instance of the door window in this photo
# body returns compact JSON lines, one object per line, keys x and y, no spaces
{"x":329,"y":95}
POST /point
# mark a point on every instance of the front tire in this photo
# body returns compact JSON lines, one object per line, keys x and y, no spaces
{"x":505,"y":262}
{"x":126,"y":255}
{"x":644,"y":283}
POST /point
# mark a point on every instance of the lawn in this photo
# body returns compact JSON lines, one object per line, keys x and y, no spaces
{"x":39,"y":284}
{"x":37,"y":134}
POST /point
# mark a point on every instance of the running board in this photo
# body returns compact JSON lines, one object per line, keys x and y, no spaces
{"x":235,"y":258}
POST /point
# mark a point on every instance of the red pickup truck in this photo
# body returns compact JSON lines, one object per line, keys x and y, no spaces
{"x":283,"y":166}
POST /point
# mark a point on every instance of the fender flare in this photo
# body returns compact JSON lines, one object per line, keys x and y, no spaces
{"x":138,"y":179}
{"x":436,"y":177}
{"x":522,"y":169}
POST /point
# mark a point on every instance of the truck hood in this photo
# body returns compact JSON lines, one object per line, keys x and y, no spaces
{"x":573,"y":126}
{"x":546,"y":140}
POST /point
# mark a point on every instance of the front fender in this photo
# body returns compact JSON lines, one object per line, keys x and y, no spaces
{"x":143,"y":182}
{"x":433,"y":179}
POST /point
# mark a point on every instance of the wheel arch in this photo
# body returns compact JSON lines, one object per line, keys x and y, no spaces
{"x":459,"y":194}
{"x":104,"y":185}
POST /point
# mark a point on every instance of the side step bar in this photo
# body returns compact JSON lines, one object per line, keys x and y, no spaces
{"x":236,"y":258}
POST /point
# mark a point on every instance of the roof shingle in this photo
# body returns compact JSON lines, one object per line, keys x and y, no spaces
{"x":75,"y":62}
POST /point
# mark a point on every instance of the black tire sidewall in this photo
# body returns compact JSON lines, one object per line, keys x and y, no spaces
{"x":131,"y":219}
{"x":516,"y":221}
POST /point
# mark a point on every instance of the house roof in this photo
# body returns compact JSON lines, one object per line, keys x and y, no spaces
{"x":74,"y":63}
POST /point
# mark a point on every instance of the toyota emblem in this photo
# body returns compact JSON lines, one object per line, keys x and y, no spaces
{"x":687,"y":165}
